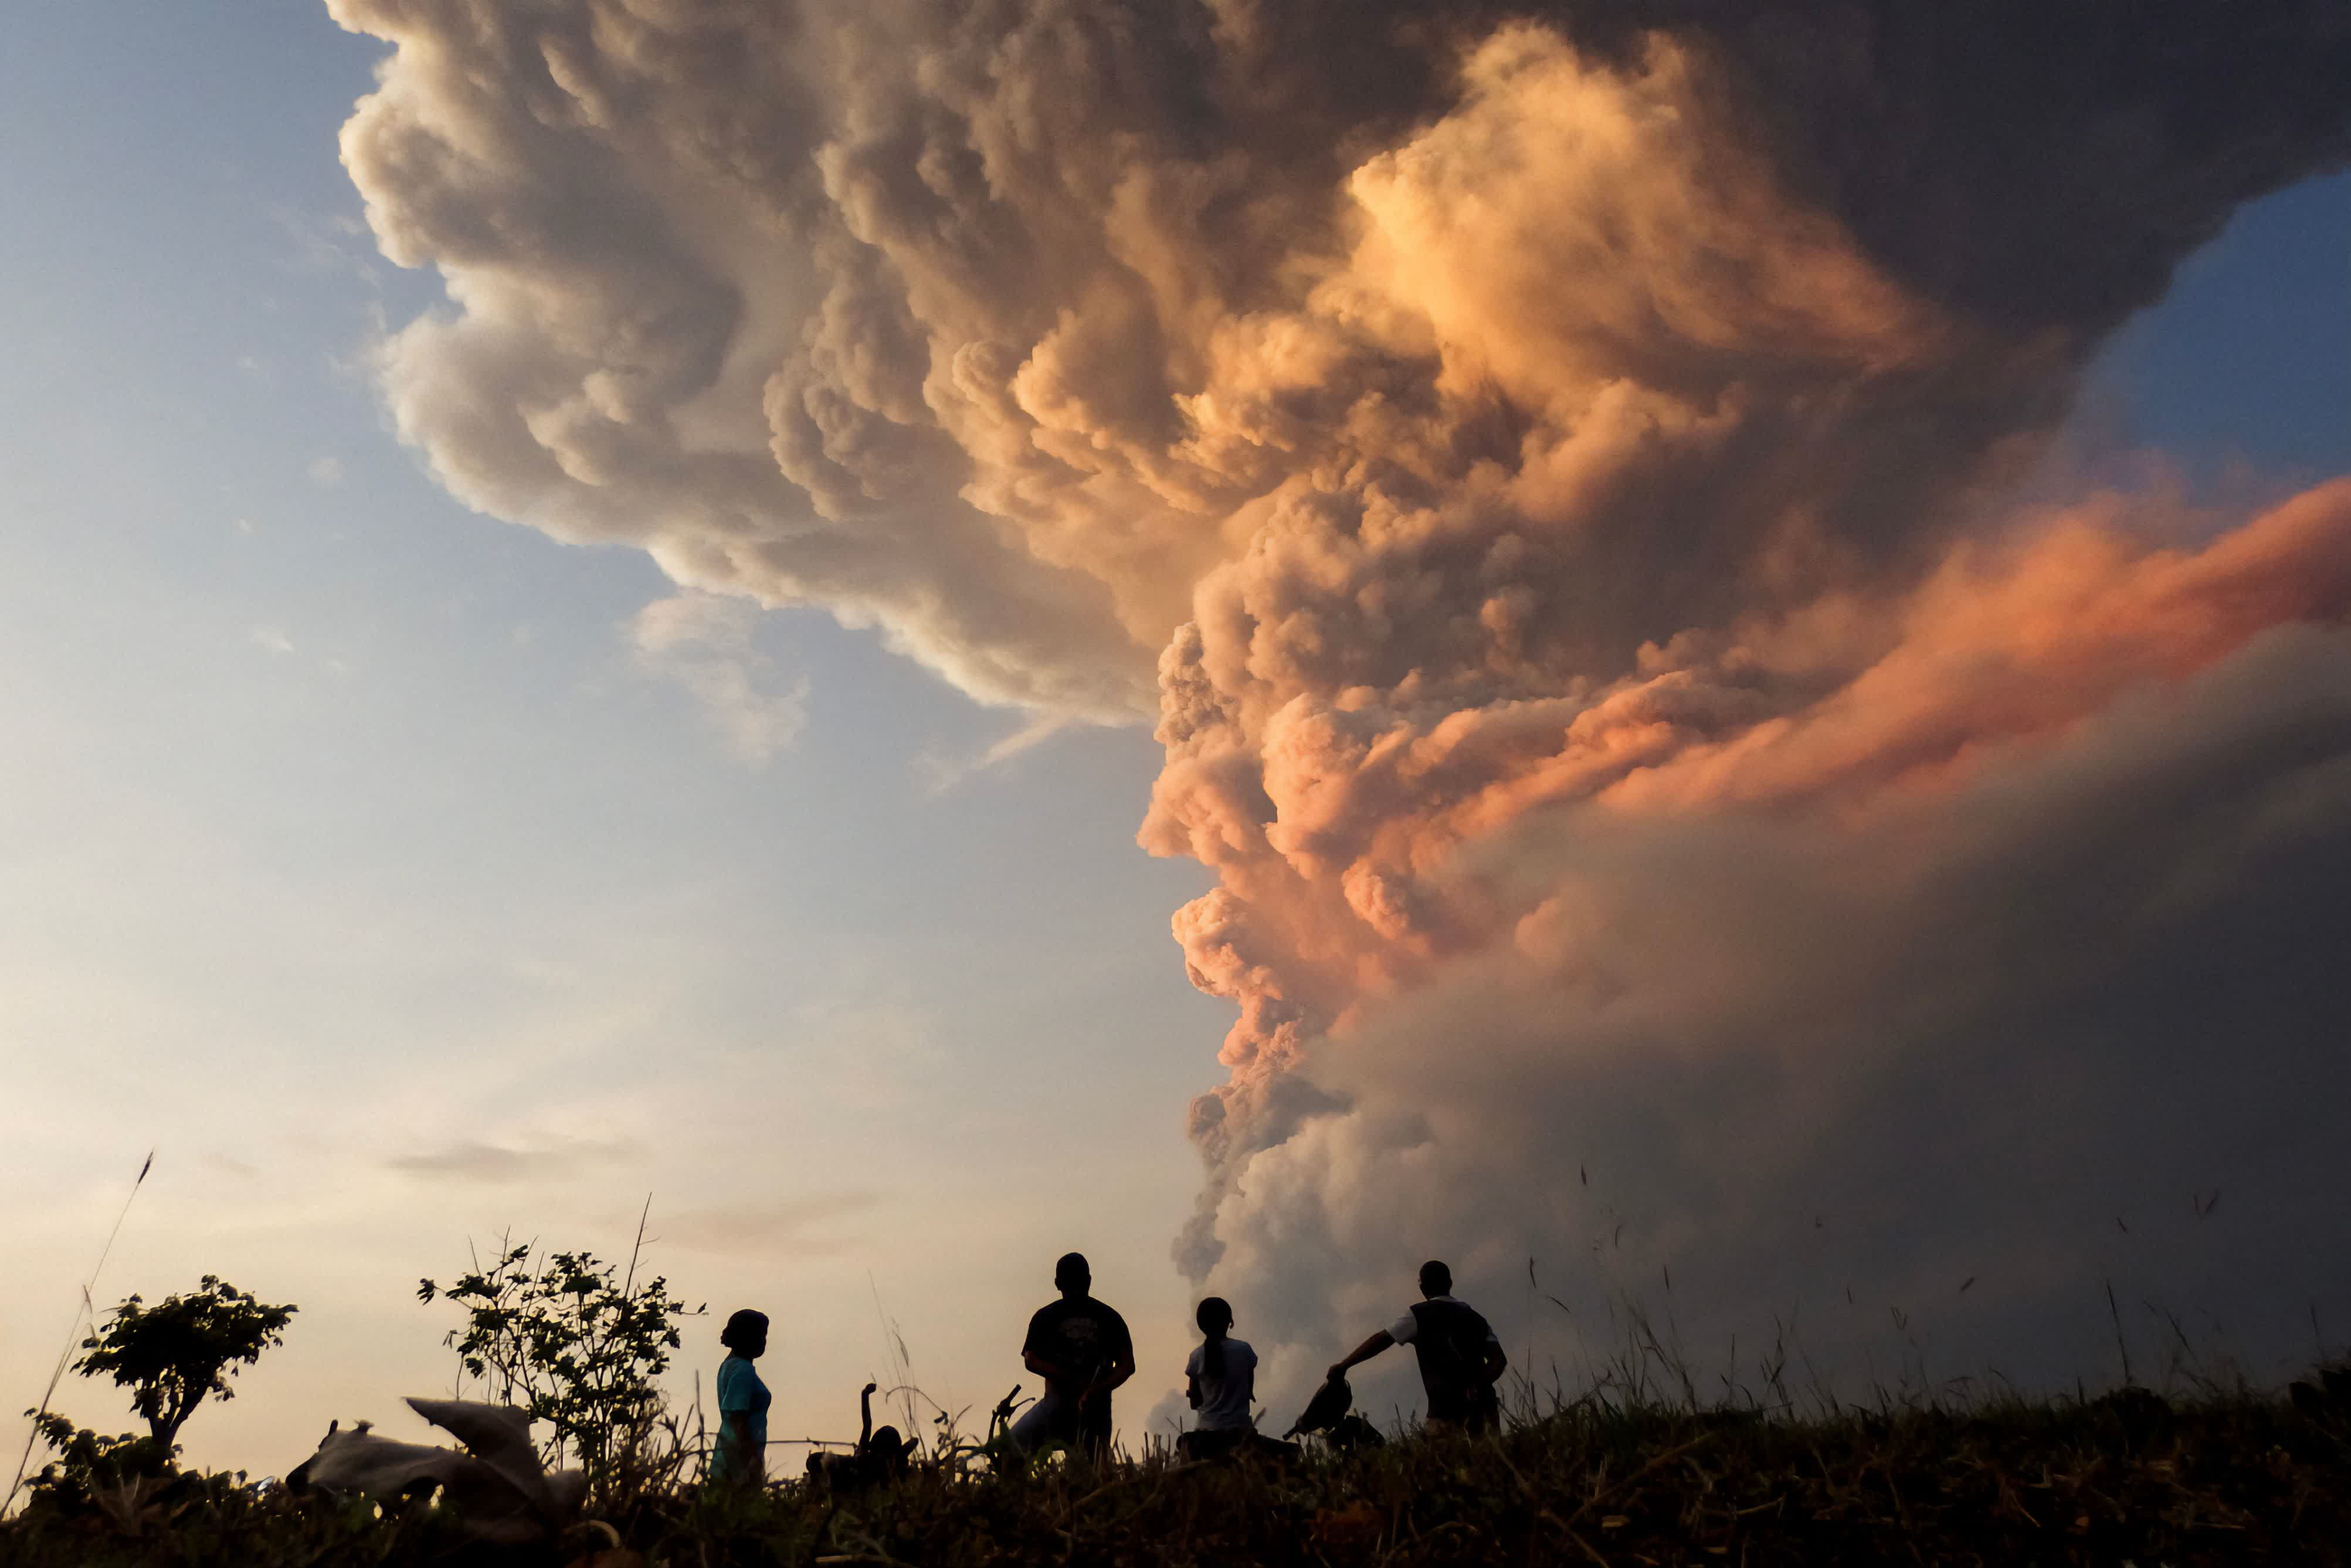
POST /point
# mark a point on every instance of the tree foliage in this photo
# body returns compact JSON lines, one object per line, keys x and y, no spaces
{"x":568,"y":1339}
{"x":174,"y":1354}
{"x":89,"y":1465}
{"x":171,"y":1356}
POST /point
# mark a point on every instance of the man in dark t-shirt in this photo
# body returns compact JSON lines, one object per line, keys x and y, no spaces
{"x":1082,"y":1351}
{"x":1460,"y":1359}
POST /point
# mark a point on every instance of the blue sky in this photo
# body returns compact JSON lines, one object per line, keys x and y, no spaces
{"x":321,"y":783}
{"x":348,"y":846}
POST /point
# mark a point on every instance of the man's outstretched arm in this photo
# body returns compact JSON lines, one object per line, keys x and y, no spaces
{"x":1381,"y":1339}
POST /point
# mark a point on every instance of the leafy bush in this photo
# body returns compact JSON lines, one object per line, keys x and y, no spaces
{"x":89,"y":1466}
{"x":174,"y":1353}
{"x":171,"y":1356}
{"x":571,"y":1341}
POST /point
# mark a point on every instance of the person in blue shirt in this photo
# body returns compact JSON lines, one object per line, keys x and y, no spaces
{"x":741,"y":1454}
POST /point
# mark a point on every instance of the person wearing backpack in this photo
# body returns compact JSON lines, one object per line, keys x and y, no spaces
{"x":1460,"y":1359}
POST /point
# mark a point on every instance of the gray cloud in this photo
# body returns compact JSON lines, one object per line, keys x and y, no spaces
{"x":990,"y":326}
{"x":1558,"y":464}
{"x":800,"y":1227}
{"x":2011,"y":1036}
{"x":526,"y":1159}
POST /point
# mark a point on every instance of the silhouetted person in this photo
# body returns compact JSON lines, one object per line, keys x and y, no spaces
{"x":1460,"y":1359}
{"x":1082,"y":1351}
{"x":740,"y":1456}
{"x":1220,"y":1382}
{"x":880,"y":1456}
{"x":1329,"y":1414}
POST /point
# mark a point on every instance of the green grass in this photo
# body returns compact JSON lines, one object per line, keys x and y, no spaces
{"x":2223,"y":1477}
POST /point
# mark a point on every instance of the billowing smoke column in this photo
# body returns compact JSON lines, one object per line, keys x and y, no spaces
{"x":1562,"y":462}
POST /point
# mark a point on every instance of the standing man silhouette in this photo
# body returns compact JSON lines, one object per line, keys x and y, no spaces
{"x":1082,"y":1351}
{"x":1460,"y":1359}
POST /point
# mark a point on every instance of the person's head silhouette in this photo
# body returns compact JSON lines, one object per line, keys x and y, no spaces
{"x":1215,"y":1316}
{"x":746,"y":1334}
{"x":1436,"y":1280}
{"x":1070,"y":1275}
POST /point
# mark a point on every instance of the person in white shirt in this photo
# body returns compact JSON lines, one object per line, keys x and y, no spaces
{"x":1220,"y":1381}
{"x":1460,"y":1359}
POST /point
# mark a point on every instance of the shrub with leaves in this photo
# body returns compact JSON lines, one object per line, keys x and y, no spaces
{"x":174,"y":1353}
{"x":171,"y":1356}
{"x":89,"y":1466}
{"x":571,"y":1340}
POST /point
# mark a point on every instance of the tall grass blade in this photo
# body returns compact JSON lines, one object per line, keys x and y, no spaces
{"x":87,"y":1310}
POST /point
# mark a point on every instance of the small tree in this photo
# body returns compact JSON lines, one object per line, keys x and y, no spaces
{"x":171,"y":1356}
{"x":174,"y":1353}
{"x":570,"y":1342}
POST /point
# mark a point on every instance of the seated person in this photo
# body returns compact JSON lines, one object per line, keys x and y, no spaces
{"x":880,"y":1456}
{"x":1082,"y":1351}
{"x":1220,"y":1381}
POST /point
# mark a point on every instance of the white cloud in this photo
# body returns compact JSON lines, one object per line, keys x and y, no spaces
{"x":706,"y":644}
{"x":327,"y":472}
{"x":271,"y":640}
{"x":332,"y":242}
{"x":944,"y":773}
{"x":491,"y":1160}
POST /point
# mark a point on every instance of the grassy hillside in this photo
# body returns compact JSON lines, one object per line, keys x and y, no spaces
{"x":2219,"y":1479}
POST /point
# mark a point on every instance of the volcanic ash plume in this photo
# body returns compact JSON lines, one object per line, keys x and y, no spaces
{"x":1663,"y":779}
